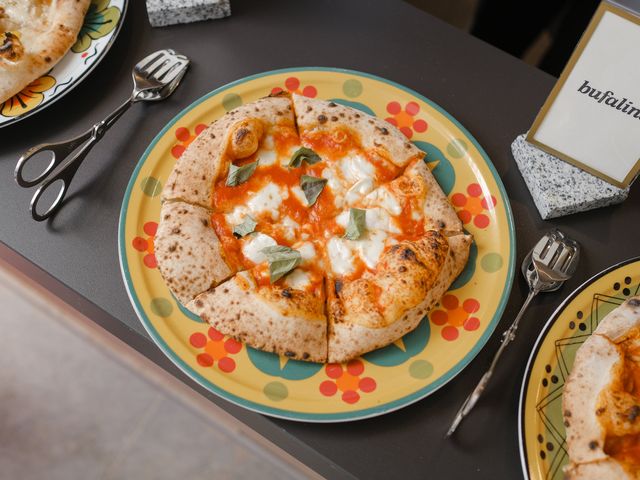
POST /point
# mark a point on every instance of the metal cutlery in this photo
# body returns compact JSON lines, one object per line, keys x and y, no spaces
{"x":155,"y":77}
{"x":551,"y":262}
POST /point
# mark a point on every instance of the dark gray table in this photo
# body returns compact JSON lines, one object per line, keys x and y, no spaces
{"x":494,"y":95}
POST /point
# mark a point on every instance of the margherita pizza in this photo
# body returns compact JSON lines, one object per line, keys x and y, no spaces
{"x":307,"y":228}
{"x":34,"y":36}
{"x":601,"y":401}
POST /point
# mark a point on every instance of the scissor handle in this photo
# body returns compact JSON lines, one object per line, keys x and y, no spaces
{"x":65,"y":174}
{"x":59,"y":152}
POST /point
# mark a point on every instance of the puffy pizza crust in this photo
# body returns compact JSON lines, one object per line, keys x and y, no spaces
{"x":599,"y":470}
{"x":208,"y":156}
{"x":375,"y":134}
{"x":411,"y":278}
{"x":188,"y":251}
{"x":44,"y":39}
{"x":592,"y":371}
{"x":619,"y":322}
{"x":288,"y":322}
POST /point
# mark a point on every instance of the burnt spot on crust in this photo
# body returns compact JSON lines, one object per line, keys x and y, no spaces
{"x":309,"y":109}
{"x":593,"y":444}
{"x":286,"y":293}
{"x":383,"y":130}
{"x":167,"y":216}
{"x":600,"y":411}
{"x":289,"y":354}
{"x":337,"y":286}
{"x":332,"y":104}
{"x":357,"y":115}
{"x":441,"y":224}
{"x":633,"y":413}
{"x":205,"y":222}
{"x":634,"y":302}
{"x":402,"y":269}
{"x":407,"y":145}
{"x":172,"y":248}
{"x":213,"y":135}
{"x":241,"y":133}
{"x":566,"y":423}
{"x":199,"y":303}
{"x":176,"y":230}
{"x":322,"y":119}
{"x":11,"y":48}
{"x":408,"y":254}
{"x":334,"y":118}
{"x":305,"y":355}
{"x":47,"y":59}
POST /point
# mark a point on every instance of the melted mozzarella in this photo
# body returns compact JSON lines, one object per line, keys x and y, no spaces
{"x":307,"y":251}
{"x":267,"y":142}
{"x":268,"y":199}
{"x":340,"y":256}
{"x":298,"y":279}
{"x":370,"y":249}
{"x":297,"y":191}
{"x":385,"y":199}
{"x":255,"y":243}
{"x":290,"y":227}
{"x":236,"y":216}
{"x":358,"y":190}
{"x":266,"y":157}
{"x":355,"y":167}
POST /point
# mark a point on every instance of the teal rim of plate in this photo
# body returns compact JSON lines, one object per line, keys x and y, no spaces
{"x":542,"y":337}
{"x":288,"y":414}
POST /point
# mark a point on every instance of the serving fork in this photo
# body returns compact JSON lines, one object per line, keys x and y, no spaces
{"x":155,"y":77}
{"x":551,"y":262}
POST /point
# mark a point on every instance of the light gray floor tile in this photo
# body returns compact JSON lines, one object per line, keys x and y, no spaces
{"x":68,"y":410}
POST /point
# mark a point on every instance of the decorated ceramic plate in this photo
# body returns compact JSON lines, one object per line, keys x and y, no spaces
{"x":380,"y":381}
{"x":101,"y":26}
{"x":543,"y":447}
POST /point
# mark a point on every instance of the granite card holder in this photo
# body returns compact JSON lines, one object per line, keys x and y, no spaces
{"x":557,"y":187}
{"x":170,"y":12}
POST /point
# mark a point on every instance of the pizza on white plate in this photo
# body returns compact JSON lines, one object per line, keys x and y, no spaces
{"x":601,"y":400}
{"x":34,"y":36}
{"x":307,"y":228}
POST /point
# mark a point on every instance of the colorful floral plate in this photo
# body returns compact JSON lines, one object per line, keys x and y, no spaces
{"x":542,"y":436}
{"x":101,"y":26}
{"x":380,"y":381}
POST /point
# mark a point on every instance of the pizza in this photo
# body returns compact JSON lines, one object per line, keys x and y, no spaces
{"x":307,"y":228}
{"x":601,"y":400}
{"x":34,"y":36}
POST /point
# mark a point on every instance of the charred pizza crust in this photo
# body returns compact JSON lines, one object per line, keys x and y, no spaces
{"x":285,"y":321}
{"x":380,"y":308}
{"x":597,"y":406}
{"x":34,"y":36}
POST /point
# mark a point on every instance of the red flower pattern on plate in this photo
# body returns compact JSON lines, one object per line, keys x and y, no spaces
{"x":455,"y":315}
{"x":348,"y":380}
{"x":145,"y":245}
{"x":292,"y":85}
{"x":184,"y":137}
{"x":215,"y":349}
{"x":474,"y":206}
{"x":405,"y":119}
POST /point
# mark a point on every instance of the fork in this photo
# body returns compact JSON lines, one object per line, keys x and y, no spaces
{"x":155,"y":77}
{"x":551,"y":262}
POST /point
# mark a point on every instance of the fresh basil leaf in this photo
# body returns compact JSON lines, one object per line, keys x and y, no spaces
{"x":357,"y":224}
{"x":238,"y":175}
{"x":312,"y":186}
{"x":303,"y":154}
{"x":281,"y":260}
{"x":247,"y":226}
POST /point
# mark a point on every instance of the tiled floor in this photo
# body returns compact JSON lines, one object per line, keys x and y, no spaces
{"x":70,"y":411}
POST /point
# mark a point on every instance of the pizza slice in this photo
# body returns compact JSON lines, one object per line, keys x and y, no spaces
{"x":277,"y":306}
{"x":389,"y":264}
{"x":359,"y":152}
{"x":34,"y":36}
{"x":601,"y":400}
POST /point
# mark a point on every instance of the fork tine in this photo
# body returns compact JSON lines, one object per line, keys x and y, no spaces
{"x":166,"y":69}
{"x":150,"y":59}
{"x":541,"y":247}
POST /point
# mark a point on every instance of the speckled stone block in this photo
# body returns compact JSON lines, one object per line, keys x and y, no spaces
{"x":170,"y":12}
{"x":557,"y":187}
